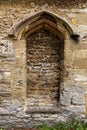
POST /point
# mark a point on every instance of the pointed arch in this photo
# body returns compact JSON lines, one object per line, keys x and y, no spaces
{"x":43,"y":19}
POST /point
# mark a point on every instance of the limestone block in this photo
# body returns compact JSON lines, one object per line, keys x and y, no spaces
{"x":5,"y":88}
{"x":68,"y":113}
{"x":76,"y":109}
{"x":80,"y":78}
{"x":11,"y":107}
{"x":81,"y":46}
{"x":19,"y":73}
{"x":20,"y":62}
{"x":36,"y":116}
{"x":19,"y":83}
{"x":5,"y":94}
{"x":14,"y":107}
{"x":68,"y":58}
{"x":7,"y":47}
{"x":85,"y":103}
{"x":20,"y":52}
{"x":82,"y":18}
{"x":1,"y":76}
{"x":65,"y":98}
{"x":19,"y":43}
{"x":71,"y":15}
{"x":71,"y":88}
{"x":82,"y":28}
{"x":7,"y":74}
{"x":80,"y":54}
{"x":3,"y":111}
{"x":68,"y":44}
{"x":80,"y":63}
{"x":77,"y":99}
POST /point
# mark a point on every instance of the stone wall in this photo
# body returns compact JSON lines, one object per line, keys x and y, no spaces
{"x":14,"y":87}
{"x":44,"y":68}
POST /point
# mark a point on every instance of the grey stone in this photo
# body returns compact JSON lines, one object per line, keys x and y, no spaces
{"x":7,"y":47}
{"x":4,"y":111}
{"x":68,"y":113}
{"x":65,"y":98}
{"x":76,"y":109}
{"x":77,"y":99}
{"x":75,"y":88}
{"x":60,"y":118}
{"x":80,"y":78}
{"x":39,"y":97}
{"x":15,"y":107}
{"x":5,"y":94}
{"x":5,"y":88}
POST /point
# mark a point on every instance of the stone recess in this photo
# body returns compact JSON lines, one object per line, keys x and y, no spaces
{"x":43,"y":71}
{"x":44,"y":68}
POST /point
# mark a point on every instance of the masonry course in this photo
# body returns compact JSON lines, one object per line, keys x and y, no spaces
{"x":27,"y":97}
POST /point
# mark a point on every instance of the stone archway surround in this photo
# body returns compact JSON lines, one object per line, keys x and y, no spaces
{"x":63,"y":30}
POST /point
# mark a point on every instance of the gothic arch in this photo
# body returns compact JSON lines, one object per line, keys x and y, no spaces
{"x":43,"y":19}
{"x":27,"y":27}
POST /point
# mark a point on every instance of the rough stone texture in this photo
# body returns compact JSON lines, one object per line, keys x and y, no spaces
{"x":65,"y":98}
{"x":44,"y":68}
{"x":15,"y":90}
{"x":66,"y":3}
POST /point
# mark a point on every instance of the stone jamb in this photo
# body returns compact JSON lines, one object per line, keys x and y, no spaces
{"x":24,"y":28}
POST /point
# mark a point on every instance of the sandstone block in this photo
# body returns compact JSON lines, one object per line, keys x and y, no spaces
{"x":80,"y":63}
{"x":85,"y":103}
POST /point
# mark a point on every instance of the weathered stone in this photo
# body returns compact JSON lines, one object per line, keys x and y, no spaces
{"x":68,"y":113}
{"x":86,"y":104}
{"x":72,"y":88}
{"x":80,"y":78}
{"x":80,"y":63}
{"x":4,"y":88}
{"x":5,"y":94}
{"x":77,"y":99}
{"x":43,"y":61}
{"x":65,"y":99}
{"x":74,"y":21}
{"x":7,"y":47}
{"x":77,"y":109}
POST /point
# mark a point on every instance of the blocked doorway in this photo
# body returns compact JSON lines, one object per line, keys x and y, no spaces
{"x":45,"y":56}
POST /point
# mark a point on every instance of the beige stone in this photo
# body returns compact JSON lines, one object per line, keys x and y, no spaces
{"x":86,"y":104}
{"x":37,"y":73}
{"x":74,"y":21}
{"x":80,"y":63}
